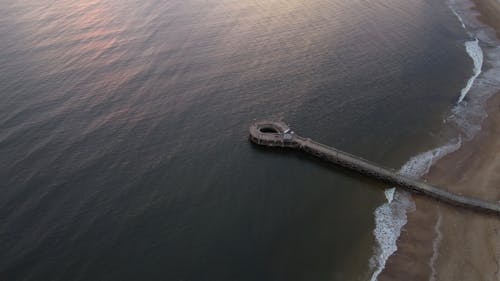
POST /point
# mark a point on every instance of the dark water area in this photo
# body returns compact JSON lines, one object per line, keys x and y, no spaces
{"x":123,"y":132}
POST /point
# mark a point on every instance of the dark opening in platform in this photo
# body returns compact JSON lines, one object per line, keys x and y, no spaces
{"x":268,"y":130}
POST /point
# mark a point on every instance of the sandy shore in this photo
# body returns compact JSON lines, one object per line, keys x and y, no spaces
{"x":489,"y":10}
{"x":441,"y":242}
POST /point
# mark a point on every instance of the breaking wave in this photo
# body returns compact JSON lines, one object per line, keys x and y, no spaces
{"x":458,"y":16}
{"x":391,"y":216}
{"x":476,"y":53}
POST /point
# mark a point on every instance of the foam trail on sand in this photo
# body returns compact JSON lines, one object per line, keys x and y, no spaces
{"x":435,"y":247}
{"x":476,"y":53}
{"x":390,"y":217}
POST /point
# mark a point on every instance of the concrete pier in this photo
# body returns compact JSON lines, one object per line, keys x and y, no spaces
{"x":279,"y":134}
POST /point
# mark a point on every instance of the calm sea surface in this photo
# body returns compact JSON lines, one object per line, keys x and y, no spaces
{"x":123,"y":132}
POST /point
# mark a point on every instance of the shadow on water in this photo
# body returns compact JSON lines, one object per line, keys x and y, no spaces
{"x":323,"y":164}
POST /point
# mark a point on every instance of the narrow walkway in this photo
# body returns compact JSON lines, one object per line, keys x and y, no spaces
{"x":278,"y":134}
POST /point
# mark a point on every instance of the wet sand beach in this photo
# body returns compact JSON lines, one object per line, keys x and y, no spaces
{"x":442,"y":242}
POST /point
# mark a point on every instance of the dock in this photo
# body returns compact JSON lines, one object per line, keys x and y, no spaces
{"x":279,"y":134}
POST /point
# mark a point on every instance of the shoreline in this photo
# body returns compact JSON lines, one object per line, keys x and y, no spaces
{"x":441,"y":242}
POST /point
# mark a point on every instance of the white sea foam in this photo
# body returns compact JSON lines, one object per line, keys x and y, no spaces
{"x":389,"y":194}
{"x":391,"y":216}
{"x":389,"y":219}
{"x":420,"y":164}
{"x":476,"y":53}
{"x":458,"y":16}
{"x":435,"y":247}
{"x":469,"y":115}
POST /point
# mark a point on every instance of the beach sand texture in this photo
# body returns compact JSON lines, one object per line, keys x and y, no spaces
{"x":441,"y":242}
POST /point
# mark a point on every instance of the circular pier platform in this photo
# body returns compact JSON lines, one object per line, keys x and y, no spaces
{"x":272,"y":133}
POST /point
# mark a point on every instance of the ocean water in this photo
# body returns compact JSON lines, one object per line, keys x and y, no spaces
{"x":123,"y":133}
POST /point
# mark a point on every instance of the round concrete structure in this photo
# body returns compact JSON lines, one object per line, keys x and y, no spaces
{"x":272,"y":133}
